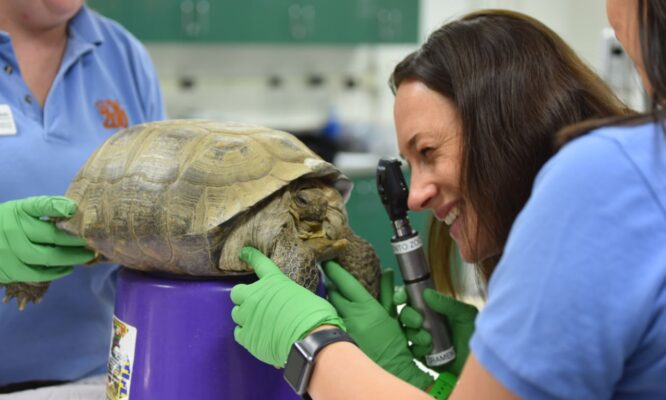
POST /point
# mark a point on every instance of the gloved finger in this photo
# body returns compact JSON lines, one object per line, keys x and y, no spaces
{"x":239,"y":293}
{"x":347,"y":285}
{"x":400,"y":296}
{"x":411,"y":318}
{"x":51,"y":256}
{"x":238,"y":336}
{"x":38,"y":274}
{"x":419,"y":337}
{"x":386,"y":289}
{"x":450,"y":307}
{"x":238,"y":316}
{"x":45,"y":232}
{"x":328,"y":284}
{"x":48,"y":206}
{"x":420,"y":351}
{"x":341,"y":304}
{"x":262,"y":265}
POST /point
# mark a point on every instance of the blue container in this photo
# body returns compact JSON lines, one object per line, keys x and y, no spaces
{"x":174,"y":339}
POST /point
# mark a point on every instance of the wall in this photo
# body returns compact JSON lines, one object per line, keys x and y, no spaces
{"x":299,"y":88}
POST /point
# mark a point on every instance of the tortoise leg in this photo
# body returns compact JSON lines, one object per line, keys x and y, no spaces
{"x":298,"y":262}
{"x":360,"y":259}
{"x":24,"y":292}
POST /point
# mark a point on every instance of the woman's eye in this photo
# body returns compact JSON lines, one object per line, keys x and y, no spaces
{"x":424,"y":152}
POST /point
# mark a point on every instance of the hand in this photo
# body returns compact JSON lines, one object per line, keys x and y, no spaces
{"x":275,"y":311}
{"x":369,"y":323}
{"x":33,"y":249}
{"x":460,"y":317}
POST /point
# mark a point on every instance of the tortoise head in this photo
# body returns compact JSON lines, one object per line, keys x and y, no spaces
{"x":319,"y":217}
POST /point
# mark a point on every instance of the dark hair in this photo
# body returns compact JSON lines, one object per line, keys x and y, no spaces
{"x":652,"y":38}
{"x":515,"y":83}
{"x":652,"y":30}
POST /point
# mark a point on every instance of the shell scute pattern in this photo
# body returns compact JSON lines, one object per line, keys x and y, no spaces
{"x":184,"y":196}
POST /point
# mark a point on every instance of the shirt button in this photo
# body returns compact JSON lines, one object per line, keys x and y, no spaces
{"x":28,"y":99}
{"x":9,"y":69}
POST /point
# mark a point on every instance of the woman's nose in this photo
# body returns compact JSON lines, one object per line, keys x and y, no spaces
{"x":420,"y":193}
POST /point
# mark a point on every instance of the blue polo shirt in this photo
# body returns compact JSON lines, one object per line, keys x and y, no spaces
{"x":106,"y":82}
{"x":577,"y":305}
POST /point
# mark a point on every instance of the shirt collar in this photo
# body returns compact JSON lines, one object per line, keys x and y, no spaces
{"x":85,"y":27}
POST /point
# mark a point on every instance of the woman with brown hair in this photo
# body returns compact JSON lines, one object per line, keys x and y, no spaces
{"x":577,"y":304}
{"x":513,"y":83}
{"x":480,"y":72}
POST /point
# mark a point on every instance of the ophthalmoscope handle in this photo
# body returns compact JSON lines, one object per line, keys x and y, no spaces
{"x":408,"y":250}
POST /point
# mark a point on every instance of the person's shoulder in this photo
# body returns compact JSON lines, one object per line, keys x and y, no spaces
{"x":611,"y":150}
{"x":633,"y":138}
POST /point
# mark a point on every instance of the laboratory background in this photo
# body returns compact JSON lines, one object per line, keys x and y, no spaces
{"x":319,"y":69}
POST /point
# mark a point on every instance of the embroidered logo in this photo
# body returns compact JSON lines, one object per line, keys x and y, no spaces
{"x":114,"y":115}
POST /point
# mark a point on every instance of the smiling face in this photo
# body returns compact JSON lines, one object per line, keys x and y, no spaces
{"x":430,"y":139}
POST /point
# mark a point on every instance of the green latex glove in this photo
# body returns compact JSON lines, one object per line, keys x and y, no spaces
{"x":33,"y":249}
{"x":460,"y":317}
{"x":274,"y":312}
{"x":377,"y":333}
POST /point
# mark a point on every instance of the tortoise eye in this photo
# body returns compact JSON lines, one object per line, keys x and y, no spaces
{"x":301,"y":199}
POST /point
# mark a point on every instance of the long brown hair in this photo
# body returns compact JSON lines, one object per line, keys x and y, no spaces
{"x":515,"y":83}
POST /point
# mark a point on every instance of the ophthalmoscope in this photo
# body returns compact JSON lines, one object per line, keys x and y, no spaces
{"x":408,"y":249}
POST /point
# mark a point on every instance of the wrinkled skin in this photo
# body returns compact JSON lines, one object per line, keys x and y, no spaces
{"x":24,"y":293}
{"x":313,"y":230}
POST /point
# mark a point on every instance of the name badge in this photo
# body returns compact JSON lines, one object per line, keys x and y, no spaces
{"x":7,"y":125}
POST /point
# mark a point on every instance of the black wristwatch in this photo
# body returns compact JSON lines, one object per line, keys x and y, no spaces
{"x":301,"y":359}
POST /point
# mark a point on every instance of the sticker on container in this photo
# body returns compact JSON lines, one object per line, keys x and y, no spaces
{"x":121,"y":361}
{"x":7,"y":125}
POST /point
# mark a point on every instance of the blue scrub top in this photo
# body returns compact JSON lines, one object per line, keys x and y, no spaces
{"x":106,"y":82}
{"x":577,"y":305}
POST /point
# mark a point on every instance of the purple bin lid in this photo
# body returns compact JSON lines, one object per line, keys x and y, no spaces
{"x":174,"y":339}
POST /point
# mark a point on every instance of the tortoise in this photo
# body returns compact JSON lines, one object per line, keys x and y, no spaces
{"x":184,"y":196}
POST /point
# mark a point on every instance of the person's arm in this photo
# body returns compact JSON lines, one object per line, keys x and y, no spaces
{"x":342,"y":371}
{"x":476,"y":382}
{"x":274,"y":312}
{"x":369,"y":322}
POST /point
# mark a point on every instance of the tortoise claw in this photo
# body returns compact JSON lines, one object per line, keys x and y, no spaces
{"x":24,"y":292}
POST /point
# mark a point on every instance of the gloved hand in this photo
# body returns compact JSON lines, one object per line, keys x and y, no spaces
{"x":374,"y":330}
{"x":274,"y":312}
{"x":460,"y":317}
{"x":33,"y":249}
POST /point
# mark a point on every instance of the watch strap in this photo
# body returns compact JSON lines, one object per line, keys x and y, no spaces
{"x":443,"y":386}
{"x":316,"y":341}
{"x":306,"y":350}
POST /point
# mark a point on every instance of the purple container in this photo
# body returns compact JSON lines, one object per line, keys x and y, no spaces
{"x":183,"y":343}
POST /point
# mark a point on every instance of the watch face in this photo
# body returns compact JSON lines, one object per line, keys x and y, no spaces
{"x":297,"y":369}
